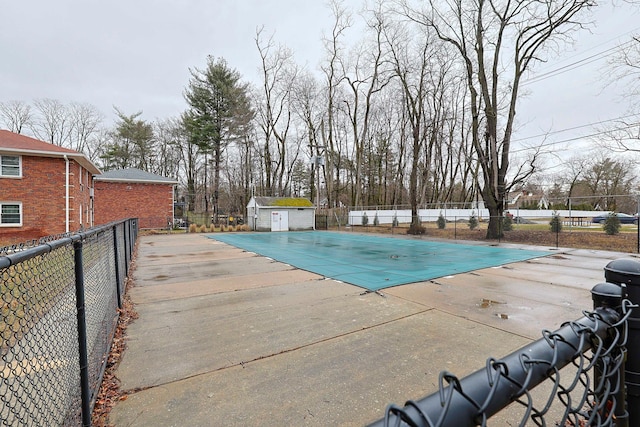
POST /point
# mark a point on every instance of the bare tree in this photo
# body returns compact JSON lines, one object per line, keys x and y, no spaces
{"x":609,"y":178}
{"x":487,"y":36}
{"x":624,"y":68}
{"x":53,"y":122}
{"x":167,"y":147}
{"x":333,"y":77}
{"x":412,"y":69}
{"x":365,"y":79}
{"x":306,"y":102}
{"x":85,"y":124}
{"x":574,"y":170}
{"x":16,"y":115}
{"x":279,"y":73}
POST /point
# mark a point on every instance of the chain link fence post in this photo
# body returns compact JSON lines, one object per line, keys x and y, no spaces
{"x":85,"y":392}
{"x":116,"y":256}
{"x":610,"y":296}
{"x":626,"y":272}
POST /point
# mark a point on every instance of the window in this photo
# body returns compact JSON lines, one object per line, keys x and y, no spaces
{"x":10,"y":166}
{"x":10,"y":214}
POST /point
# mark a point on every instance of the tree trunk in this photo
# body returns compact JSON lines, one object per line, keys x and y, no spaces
{"x":415,"y":227}
{"x":496,"y":212}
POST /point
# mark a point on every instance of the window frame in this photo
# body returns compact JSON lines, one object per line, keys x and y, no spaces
{"x":20,"y":213}
{"x":2,"y":174}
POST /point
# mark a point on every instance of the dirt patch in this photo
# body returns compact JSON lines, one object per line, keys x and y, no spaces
{"x":592,"y":239}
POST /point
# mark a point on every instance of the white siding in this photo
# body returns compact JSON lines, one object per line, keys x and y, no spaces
{"x":300,"y":218}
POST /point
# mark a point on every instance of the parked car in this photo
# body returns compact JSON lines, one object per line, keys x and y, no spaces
{"x":624,"y":218}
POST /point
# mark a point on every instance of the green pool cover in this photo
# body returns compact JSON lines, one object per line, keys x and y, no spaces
{"x":373,"y":262}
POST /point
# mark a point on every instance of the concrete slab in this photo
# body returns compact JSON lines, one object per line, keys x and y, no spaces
{"x":208,"y":333}
{"x":346,"y":380}
{"x":178,"y":290}
{"x":227,"y":338}
{"x":523,"y":298}
{"x":167,"y":272}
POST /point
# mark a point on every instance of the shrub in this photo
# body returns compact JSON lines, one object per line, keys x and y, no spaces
{"x":442,"y":223}
{"x":203,"y":228}
{"x":416,"y":229}
{"x":556,"y":223}
{"x":473,"y":221}
{"x":365,"y":219}
{"x":376,"y":221}
{"x":507,"y":223}
{"x":612,"y":224}
{"x":193,"y":228}
{"x":212,"y":228}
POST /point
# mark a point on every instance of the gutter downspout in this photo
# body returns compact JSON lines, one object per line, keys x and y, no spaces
{"x":66,"y":195}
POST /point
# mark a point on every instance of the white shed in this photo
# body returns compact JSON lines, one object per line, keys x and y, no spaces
{"x":280,"y":214}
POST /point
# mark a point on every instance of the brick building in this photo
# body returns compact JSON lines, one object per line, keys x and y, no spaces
{"x":44,"y":189}
{"x":48,"y":190}
{"x":133,"y":193}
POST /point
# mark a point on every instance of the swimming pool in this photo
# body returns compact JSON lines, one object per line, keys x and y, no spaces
{"x":373,"y":262}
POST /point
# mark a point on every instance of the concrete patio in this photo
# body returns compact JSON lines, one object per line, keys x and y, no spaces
{"x":229,"y":338}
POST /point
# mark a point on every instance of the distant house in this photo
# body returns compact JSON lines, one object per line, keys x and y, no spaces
{"x":133,"y":193}
{"x":526,"y":200}
{"x":44,"y":189}
{"x":280,"y":214}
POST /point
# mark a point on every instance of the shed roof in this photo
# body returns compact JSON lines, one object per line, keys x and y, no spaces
{"x":17,"y":144}
{"x":134,"y":175}
{"x":283,"y":202}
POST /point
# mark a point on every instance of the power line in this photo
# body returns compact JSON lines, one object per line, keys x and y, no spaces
{"x":577,"y":64}
{"x":573,"y":128}
{"x":594,"y":47}
{"x":577,"y":138}
{"x":585,"y":61}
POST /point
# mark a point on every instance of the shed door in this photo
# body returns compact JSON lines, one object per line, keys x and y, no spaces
{"x":279,"y":221}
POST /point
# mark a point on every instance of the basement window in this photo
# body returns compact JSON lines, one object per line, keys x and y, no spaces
{"x":10,"y":214}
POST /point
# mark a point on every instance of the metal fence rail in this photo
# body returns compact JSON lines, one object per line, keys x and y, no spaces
{"x":59,"y":303}
{"x":582,"y":364}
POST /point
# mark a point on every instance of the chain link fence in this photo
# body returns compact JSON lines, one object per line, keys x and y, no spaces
{"x":59,"y":300}
{"x":545,"y":228}
{"x":587,"y":372}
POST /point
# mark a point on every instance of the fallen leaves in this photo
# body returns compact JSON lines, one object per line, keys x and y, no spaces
{"x":110,"y":392}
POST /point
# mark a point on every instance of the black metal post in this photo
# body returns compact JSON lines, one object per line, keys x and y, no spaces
{"x":127,"y":250}
{"x":116,"y":257}
{"x":610,"y":295}
{"x":85,"y":392}
{"x":627,"y":272}
{"x":455,"y":228}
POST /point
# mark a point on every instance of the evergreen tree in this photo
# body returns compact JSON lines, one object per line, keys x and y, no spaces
{"x":132,"y":143}
{"x":219,"y":112}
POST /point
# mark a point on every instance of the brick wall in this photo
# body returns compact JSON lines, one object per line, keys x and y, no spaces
{"x":152,"y":204}
{"x":41,"y":190}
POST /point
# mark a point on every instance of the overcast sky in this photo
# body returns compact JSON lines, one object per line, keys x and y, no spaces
{"x":136,"y":54}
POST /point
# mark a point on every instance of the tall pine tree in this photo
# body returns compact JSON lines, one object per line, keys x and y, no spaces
{"x":219,"y":113}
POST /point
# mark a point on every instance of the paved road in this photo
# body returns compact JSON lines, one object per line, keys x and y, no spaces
{"x":229,"y":338}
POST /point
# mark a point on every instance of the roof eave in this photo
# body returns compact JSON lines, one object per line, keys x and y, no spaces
{"x":78,"y":157}
{"x":133,"y":181}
